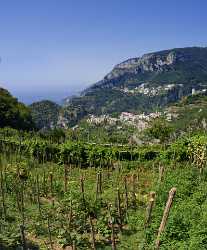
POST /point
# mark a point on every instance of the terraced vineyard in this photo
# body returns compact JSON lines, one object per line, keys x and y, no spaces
{"x":78,"y":196}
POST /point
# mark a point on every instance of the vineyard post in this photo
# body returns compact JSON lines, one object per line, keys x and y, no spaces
{"x":92,"y":234}
{"x":113,"y":242}
{"x":108,"y":170}
{"x":49,"y":232}
{"x":82,"y":191}
{"x":165,"y":216}
{"x":70,"y":216}
{"x":149,"y":209}
{"x":119,"y":208}
{"x":38,"y":194}
{"x":65,"y":177}
{"x":3,"y":193}
{"x":44,"y":183}
{"x":51,"y":183}
{"x":74,"y":245}
{"x":22,"y":202}
{"x":161,"y":172}
{"x":97,"y":185}
{"x":17,"y":200}
{"x":100,"y":183}
{"x":134,"y":190}
{"x":23,"y":240}
{"x":126,"y":193}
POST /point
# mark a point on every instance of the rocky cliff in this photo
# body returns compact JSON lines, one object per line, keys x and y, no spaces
{"x":143,"y":84}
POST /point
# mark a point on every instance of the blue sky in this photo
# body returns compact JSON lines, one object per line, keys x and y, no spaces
{"x":50,"y":49}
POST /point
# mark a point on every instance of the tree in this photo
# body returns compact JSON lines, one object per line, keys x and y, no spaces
{"x":13,"y":113}
{"x":159,"y":129}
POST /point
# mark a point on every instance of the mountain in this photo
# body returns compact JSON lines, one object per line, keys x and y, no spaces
{"x":45,"y":113}
{"x":13,"y":113}
{"x":145,"y":83}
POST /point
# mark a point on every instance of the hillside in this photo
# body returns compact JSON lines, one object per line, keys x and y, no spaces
{"x":145,"y":83}
{"x":13,"y":113}
{"x":190,"y":114}
{"x":45,"y":113}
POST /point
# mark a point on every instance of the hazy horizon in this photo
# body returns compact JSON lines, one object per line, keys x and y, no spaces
{"x":50,"y":50}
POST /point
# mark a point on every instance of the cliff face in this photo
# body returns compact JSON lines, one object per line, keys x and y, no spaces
{"x":142,"y":84}
{"x":185,"y":65}
{"x":147,"y":63}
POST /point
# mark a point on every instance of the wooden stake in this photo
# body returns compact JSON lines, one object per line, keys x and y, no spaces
{"x":93,"y":245}
{"x":65,"y":178}
{"x":119,"y":208}
{"x":113,"y":242}
{"x":3,"y":194}
{"x":161,"y":172}
{"x":100,"y":183}
{"x":149,"y":209}
{"x":22,"y":202}
{"x":126,"y":193}
{"x":49,"y":232}
{"x":74,"y":245}
{"x":44,"y":183}
{"x":82,"y":191}
{"x":165,"y":215}
{"x":38,"y":195}
{"x":134,"y":190}
{"x":22,"y":233}
{"x":97,"y":185}
{"x":51,"y":183}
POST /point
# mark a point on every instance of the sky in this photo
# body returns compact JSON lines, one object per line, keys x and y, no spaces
{"x":51,"y":49}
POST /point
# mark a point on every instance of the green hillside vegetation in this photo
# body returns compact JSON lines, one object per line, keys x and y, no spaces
{"x":45,"y":113}
{"x":192,"y":113}
{"x":13,"y":113}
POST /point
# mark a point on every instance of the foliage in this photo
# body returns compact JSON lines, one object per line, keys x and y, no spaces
{"x":13,"y":113}
{"x":45,"y":113}
{"x":159,"y":129}
{"x":29,"y":167}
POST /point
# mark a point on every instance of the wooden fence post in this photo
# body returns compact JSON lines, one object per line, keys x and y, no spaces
{"x":165,"y":216}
